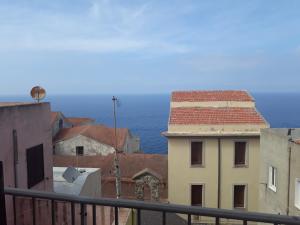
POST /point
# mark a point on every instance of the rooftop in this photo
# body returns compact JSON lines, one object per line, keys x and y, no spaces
{"x":207,"y":96}
{"x":214,"y":116}
{"x":98,"y":133}
{"x":76,"y":121}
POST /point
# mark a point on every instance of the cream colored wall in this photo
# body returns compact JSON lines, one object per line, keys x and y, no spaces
{"x":181,"y":175}
{"x":231,"y":175}
{"x":214,"y":104}
{"x":236,"y":129}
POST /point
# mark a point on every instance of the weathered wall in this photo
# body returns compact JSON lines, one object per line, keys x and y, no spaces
{"x":275,"y":147}
{"x":32,"y":123}
{"x":91,"y":147}
{"x":55,"y":125}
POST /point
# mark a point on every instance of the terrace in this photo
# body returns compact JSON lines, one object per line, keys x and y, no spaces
{"x":138,"y":207}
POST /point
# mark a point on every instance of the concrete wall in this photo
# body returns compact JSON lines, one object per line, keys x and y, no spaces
{"x":91,"y":147}
{"x":55,"y":125}
{"x":32,"y":124}
{"x":275,"y":147}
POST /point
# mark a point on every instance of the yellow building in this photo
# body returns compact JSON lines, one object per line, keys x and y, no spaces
{"x":213,"y":149}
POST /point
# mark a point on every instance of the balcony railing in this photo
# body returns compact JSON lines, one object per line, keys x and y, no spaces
{"x":215,"y":214}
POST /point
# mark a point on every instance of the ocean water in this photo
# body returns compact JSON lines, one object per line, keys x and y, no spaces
{"x":147,"y":115}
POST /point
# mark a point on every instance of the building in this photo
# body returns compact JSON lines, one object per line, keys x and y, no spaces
{"x":280,"y":171}
{"x":59,"y":121}
{"x":133,"y":167}
{"x":94,"y":140}
{"x":79,"y":182}
{"x":213,"y":149}
{"x":26,"y":152}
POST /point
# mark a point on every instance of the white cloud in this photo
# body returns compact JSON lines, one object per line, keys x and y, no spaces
{"x":101,"y":26}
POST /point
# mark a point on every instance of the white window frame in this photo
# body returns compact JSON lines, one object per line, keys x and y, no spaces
{"x":297,"y":193}
{"x":272,"y":172}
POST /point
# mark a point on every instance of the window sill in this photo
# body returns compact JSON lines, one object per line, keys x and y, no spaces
{"x":240,"y":166}
{"x":197,"y":166}
{"x":272,"y":188}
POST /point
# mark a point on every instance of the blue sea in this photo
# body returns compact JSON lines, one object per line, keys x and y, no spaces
{"x":147,"y":115}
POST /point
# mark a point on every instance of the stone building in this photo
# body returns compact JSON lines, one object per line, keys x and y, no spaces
{"x":279,"y":179}
{"x":213,"y":150}
{"x":94,"y":140}
{"x":26,"y":153}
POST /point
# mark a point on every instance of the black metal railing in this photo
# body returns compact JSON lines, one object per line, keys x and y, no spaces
{"x":215,"y":214}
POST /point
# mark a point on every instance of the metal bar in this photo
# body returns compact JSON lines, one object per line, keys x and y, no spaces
{"x":33,"y":211}
{"x":94,"y":215}
{"x":15,"y":210}
{"x":2,"y":197}
{"x":116,"y":216}
{"x":53,"y":211}
{"x":139,"y":217}
{"x":170,"y":208}
{"x":164,"y":218}
{"x":217,"y":220}
{"x":72,"y":213}
{"x":189,"y":219}
{"x":82,"y":213}
{"x":245,"y":222}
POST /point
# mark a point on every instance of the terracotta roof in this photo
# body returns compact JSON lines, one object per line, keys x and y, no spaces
{"x":207,"y":96}
{"x":100,"y":133}
{"x":215,"y":116}
{"x":53,"y":117}
{"x":76,"y":121}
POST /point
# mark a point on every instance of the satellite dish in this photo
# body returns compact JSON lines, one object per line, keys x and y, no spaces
{"x":38,"y":93}
{"x":71,"y":174}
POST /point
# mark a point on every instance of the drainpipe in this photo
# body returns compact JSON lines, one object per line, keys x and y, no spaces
{"x":289,"y":182}
{"x":16,"y":159}
{"x":219,"y":173}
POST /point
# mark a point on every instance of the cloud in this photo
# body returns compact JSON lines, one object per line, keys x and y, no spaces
{"x":100,"y":26}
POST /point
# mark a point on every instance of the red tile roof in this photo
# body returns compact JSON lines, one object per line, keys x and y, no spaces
{"x":53,"y":117}
{"x":98,"y":133}
{"x":207,"y":96}
{"x":215,"y":116}
{"x":77,"y":121}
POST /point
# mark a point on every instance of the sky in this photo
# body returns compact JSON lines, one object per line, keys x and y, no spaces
{"x":149,"y":47}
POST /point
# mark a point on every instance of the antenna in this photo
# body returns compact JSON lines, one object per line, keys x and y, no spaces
{"x":38,"y":93}
{"x":116,"y":159}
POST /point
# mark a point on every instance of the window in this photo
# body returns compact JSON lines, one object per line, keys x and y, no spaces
{"x":297,"y":193}
{"x":272,"y":178}
{"x":196,"y":153}
{"x":197,"y":195}
{"x":239,"y":196}
{"x":240,"y":154}
{"x":79,"y":150}
{"x":35,"y":165}
{"x":61,"y":123}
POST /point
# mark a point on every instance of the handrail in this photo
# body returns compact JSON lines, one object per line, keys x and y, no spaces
{"x":163,"y":207}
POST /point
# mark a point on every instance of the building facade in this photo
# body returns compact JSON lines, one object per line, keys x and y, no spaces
{"x":26,"y":152}
{"x":213,"y":148}
{"x":94,"y":140}
{"x":280,"y":171}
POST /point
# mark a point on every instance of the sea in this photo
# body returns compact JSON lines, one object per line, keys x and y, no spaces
{"x":147,"y":115}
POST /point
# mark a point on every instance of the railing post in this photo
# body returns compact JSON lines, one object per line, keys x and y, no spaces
{"x":2,"y":197}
